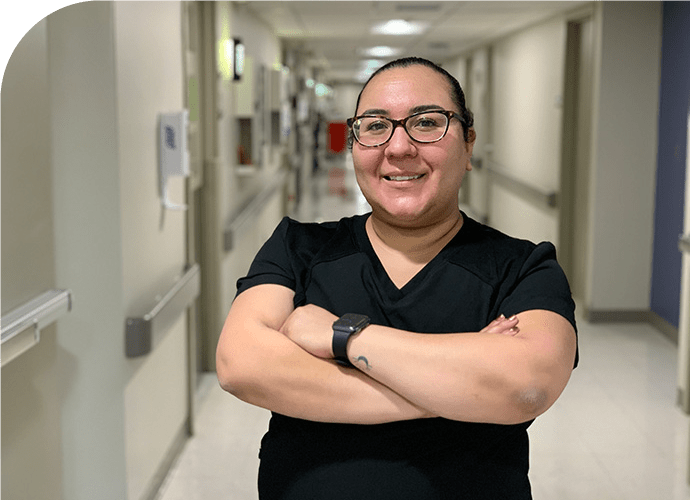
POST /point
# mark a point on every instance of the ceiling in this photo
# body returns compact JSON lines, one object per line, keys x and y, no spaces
{"x":333,"y":33}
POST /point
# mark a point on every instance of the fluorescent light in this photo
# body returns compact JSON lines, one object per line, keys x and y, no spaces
{"x":399,"y":27}
{"x":381,"y":51}
{"x":321,"y":90}
{"x":367,"y":68}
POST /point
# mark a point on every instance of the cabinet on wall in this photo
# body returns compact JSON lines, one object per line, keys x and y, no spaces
{"x":261,"y":114}
{"x":248,"y":115}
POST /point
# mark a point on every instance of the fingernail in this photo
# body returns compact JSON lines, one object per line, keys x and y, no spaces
{"x":514,"y":316}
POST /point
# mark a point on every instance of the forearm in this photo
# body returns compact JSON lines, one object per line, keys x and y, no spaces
{"x":285,"y":379}
{"x":261,"y":366}
{"x":479,"y":377}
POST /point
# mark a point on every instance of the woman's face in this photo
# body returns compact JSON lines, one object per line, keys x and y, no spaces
{"x":409,"y":183}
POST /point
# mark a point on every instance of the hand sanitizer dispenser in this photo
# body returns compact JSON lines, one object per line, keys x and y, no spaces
{"x":174,"y":156}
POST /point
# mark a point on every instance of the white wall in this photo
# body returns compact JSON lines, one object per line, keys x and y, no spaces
{"x":624,"y":155}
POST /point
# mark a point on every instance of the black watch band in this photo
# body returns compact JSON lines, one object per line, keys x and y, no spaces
{"x":343,"y":328}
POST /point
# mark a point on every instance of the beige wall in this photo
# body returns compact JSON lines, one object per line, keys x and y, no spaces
{"x":80,"y":421}
{"x":526,"y":115}
{"x":624,"y":155}
{"x":149,"y":79}
{"x":525,"y":80}
{"x":479,"y":101}
{"x":88,"y":252}
{"x":31,"y":435}
{"x":227,"y":188}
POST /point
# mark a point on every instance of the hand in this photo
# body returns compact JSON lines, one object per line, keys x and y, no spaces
{"x":503,"y":326}
{"x":311,"y":328}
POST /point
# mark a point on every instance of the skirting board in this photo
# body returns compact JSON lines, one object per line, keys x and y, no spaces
{"x":171,"y":456}
{"x":666,"y":328}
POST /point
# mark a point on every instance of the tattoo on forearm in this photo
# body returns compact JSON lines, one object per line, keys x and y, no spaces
{"x":367,"y":366}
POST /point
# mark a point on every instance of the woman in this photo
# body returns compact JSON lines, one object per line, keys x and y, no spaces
{"x":373,"y":339}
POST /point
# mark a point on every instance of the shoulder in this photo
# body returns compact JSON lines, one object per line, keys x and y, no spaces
{"x":307,"y":232}
{"x":492,"y":254}
{"x":294,"y":248}
{"x":307,"y":240}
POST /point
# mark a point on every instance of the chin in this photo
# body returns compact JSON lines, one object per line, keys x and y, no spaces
{"x":403,"y":218}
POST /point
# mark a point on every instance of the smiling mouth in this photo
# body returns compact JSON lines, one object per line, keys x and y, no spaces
{"x":400,"y":178}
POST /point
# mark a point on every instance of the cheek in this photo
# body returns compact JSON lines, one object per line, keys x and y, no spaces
{"x":365,"y":161}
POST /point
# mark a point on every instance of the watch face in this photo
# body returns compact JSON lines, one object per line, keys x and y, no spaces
{"x":351,"y":322}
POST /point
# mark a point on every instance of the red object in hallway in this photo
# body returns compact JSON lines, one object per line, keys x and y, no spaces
{"x":337,"y":137}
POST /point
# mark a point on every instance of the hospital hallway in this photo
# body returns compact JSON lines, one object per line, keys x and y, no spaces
{"x":614,"y":434}
{"x":150,"y":149}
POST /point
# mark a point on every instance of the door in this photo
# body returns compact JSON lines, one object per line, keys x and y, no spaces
{"x":577,"y":109}
{"x":193,"y":81}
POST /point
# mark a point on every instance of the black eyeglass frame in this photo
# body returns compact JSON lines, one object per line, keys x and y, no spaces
{"x":402,"y":122}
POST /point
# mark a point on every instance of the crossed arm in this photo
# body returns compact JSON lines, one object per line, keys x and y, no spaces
{"x":277,"y":357}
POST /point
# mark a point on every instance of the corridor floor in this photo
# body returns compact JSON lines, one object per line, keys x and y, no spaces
{"x":615,"y":433}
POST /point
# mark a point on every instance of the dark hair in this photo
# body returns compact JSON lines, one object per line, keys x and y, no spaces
{"x":457,"y":95}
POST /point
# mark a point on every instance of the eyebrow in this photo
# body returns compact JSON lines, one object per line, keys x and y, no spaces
{"x":416,"y":109}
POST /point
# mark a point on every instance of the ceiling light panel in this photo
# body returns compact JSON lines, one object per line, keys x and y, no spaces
{"x":399,"y":27}
{"x":381,"y":51}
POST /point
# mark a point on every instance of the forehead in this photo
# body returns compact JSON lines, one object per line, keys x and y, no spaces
{"x":400,"y":89}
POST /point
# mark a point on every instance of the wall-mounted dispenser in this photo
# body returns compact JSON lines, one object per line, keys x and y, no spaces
{"x":174,"y":156}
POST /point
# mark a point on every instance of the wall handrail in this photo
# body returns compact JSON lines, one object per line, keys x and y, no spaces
{"x":544,"y":197}
{"x":143,"y":333}
{"x":21,"y":327}
{"x":252,"y":208}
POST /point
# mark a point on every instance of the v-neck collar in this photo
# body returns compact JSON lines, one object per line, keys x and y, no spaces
{"x":381,"y":275}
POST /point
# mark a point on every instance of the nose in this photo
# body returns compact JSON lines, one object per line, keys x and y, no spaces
{"x":400,"y":143}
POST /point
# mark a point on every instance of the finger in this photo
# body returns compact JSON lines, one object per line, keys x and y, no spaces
{"x":501,"y":325}
{"x":494,"y":323}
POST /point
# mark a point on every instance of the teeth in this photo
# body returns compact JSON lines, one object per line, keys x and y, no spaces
{"x":403,"y":177}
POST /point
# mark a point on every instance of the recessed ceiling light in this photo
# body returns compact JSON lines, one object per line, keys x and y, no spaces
{"x":399,"y":27}
{"x":381,"y":51}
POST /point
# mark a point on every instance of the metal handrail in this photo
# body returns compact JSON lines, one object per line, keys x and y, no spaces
{"x":21,"y":327}
{"x":143,"y":333}
{"x":252,"y":208}
{"x":547,"y":198}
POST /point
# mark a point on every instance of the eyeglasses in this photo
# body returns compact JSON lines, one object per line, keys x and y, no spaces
{"x":425,"y":126}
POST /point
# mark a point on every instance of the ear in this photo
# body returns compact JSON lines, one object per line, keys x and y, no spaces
{"x":469,"y":146}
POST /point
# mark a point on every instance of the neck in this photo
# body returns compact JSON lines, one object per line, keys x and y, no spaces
{"x":419,"y":244}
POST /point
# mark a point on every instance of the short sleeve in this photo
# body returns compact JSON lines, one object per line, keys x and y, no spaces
{"x":272,"y":263}
{"x":541,"y":284}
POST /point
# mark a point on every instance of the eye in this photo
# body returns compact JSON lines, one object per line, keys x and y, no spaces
{"x":428,"y":121}
{"x":373,"y":125}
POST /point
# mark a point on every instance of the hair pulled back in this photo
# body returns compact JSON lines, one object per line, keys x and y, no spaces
{"x":457,"y":95}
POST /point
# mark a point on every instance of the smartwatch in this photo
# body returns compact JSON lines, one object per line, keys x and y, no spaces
{"x":343,"y":328}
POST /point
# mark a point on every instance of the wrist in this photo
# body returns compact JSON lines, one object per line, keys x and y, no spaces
{"x":344,"y":328}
